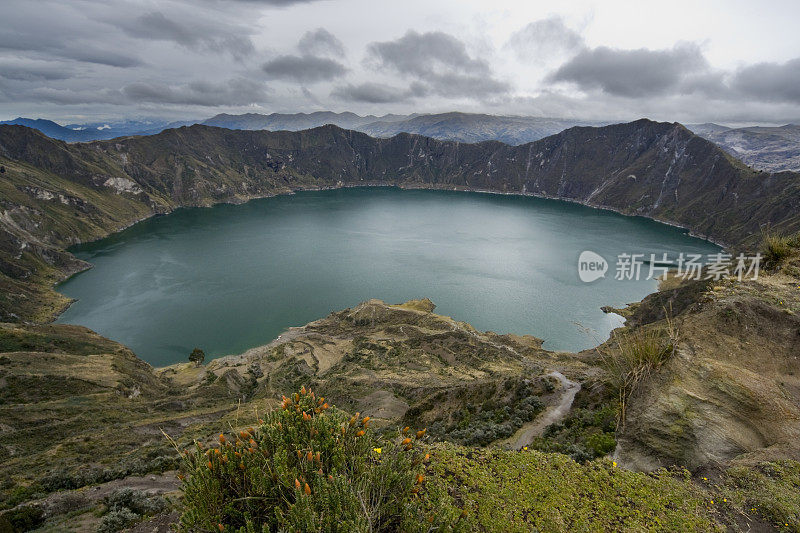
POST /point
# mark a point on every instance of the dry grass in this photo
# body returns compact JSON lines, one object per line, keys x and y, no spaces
{"x":635,"y":355}
{"x":775,"y":247}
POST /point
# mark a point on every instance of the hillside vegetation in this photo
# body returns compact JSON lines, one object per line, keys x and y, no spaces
{"x":706,"y":436}
{"x":723,"y":404}
{"x":55,"y":194}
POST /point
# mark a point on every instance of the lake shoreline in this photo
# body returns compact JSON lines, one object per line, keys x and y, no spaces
{"x":492,"y":214}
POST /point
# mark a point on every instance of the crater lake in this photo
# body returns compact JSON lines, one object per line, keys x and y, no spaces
{"x":231,"y":277}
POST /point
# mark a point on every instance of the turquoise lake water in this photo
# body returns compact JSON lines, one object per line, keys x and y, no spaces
{"x":232,"y":277}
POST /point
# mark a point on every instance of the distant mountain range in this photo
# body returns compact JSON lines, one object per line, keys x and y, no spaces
{"x":471,"y":128}
{"x":764,"y":148}
{"x":56,"y":131}
{"x":462,"y":127}
{"x":296,"y":121}
{"x":94,"y":131}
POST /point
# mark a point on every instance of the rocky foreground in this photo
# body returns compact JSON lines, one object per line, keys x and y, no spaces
{"x":82,"y":416}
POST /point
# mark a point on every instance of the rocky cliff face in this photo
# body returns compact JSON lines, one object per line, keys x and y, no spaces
{"x":54,"y":194}
{"x":731,"y":390}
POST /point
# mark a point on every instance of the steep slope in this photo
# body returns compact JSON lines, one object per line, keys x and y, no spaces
{"x":404,"y":363}
{"x":766,"y":148}
{"x":78,"y":409}
{"x":54,"y":194}
{"x":731,"y":391}
{"x":63,"y":389}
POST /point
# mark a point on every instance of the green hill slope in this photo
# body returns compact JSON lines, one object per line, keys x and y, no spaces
{"x":56,"y":194}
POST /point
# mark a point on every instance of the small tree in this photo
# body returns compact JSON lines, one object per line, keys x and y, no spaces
{"x":197,"y":356}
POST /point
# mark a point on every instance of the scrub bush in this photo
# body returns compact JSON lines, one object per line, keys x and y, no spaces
{"x":309,"y":467}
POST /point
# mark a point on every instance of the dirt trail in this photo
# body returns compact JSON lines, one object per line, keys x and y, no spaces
{"x":551,"y":415}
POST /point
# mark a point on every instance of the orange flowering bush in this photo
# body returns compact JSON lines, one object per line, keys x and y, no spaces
{"x":307,"y":467}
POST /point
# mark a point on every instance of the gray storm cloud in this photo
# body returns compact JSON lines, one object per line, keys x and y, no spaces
{"x":199,"y":93}
{"x":770,"y":81}
{"x":304,"y":69}
{"x":322,"y":42}
{"x":156,"y":26}
{"x":313,"y":64}
{"x":188,"y":59}
{"x":377,"y":93}
{"x":439,"y":63}
{"x":633,"y":73}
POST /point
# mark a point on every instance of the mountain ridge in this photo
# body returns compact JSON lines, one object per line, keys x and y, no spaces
{"x":764,"y":148}
{"x":57,"y":194}
{"x":770,"y":148}
{"x":454,"y":125}
{"x":723,"y":403}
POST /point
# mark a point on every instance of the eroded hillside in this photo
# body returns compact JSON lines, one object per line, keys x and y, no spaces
{"x":53,"y":194}
{"x":81,"y":410}
{"x":731,"y":391}
{"x":722,"y":397}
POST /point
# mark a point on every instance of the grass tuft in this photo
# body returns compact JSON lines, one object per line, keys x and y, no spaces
{"x":635,"y":355}
{"x":776,"y":247}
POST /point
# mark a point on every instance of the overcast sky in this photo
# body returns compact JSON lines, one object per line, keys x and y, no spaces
{"x":728,"y":61}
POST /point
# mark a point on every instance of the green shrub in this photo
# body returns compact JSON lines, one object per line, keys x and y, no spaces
{"x":148,"y":460}
{"x":197,"y":356}
{"x":487,"y":425}
{"x":601,"y":443}
{"x":125,"y":506}
{"x":584,"y":434}
{"x":25,"y":518}
{"x":137,"y":501}
{"x":769,"y":490}
{"x":117,"y":520}
{"x":547,"y":492}
{"x":477,"y":415}
{"x":308,"y":467}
